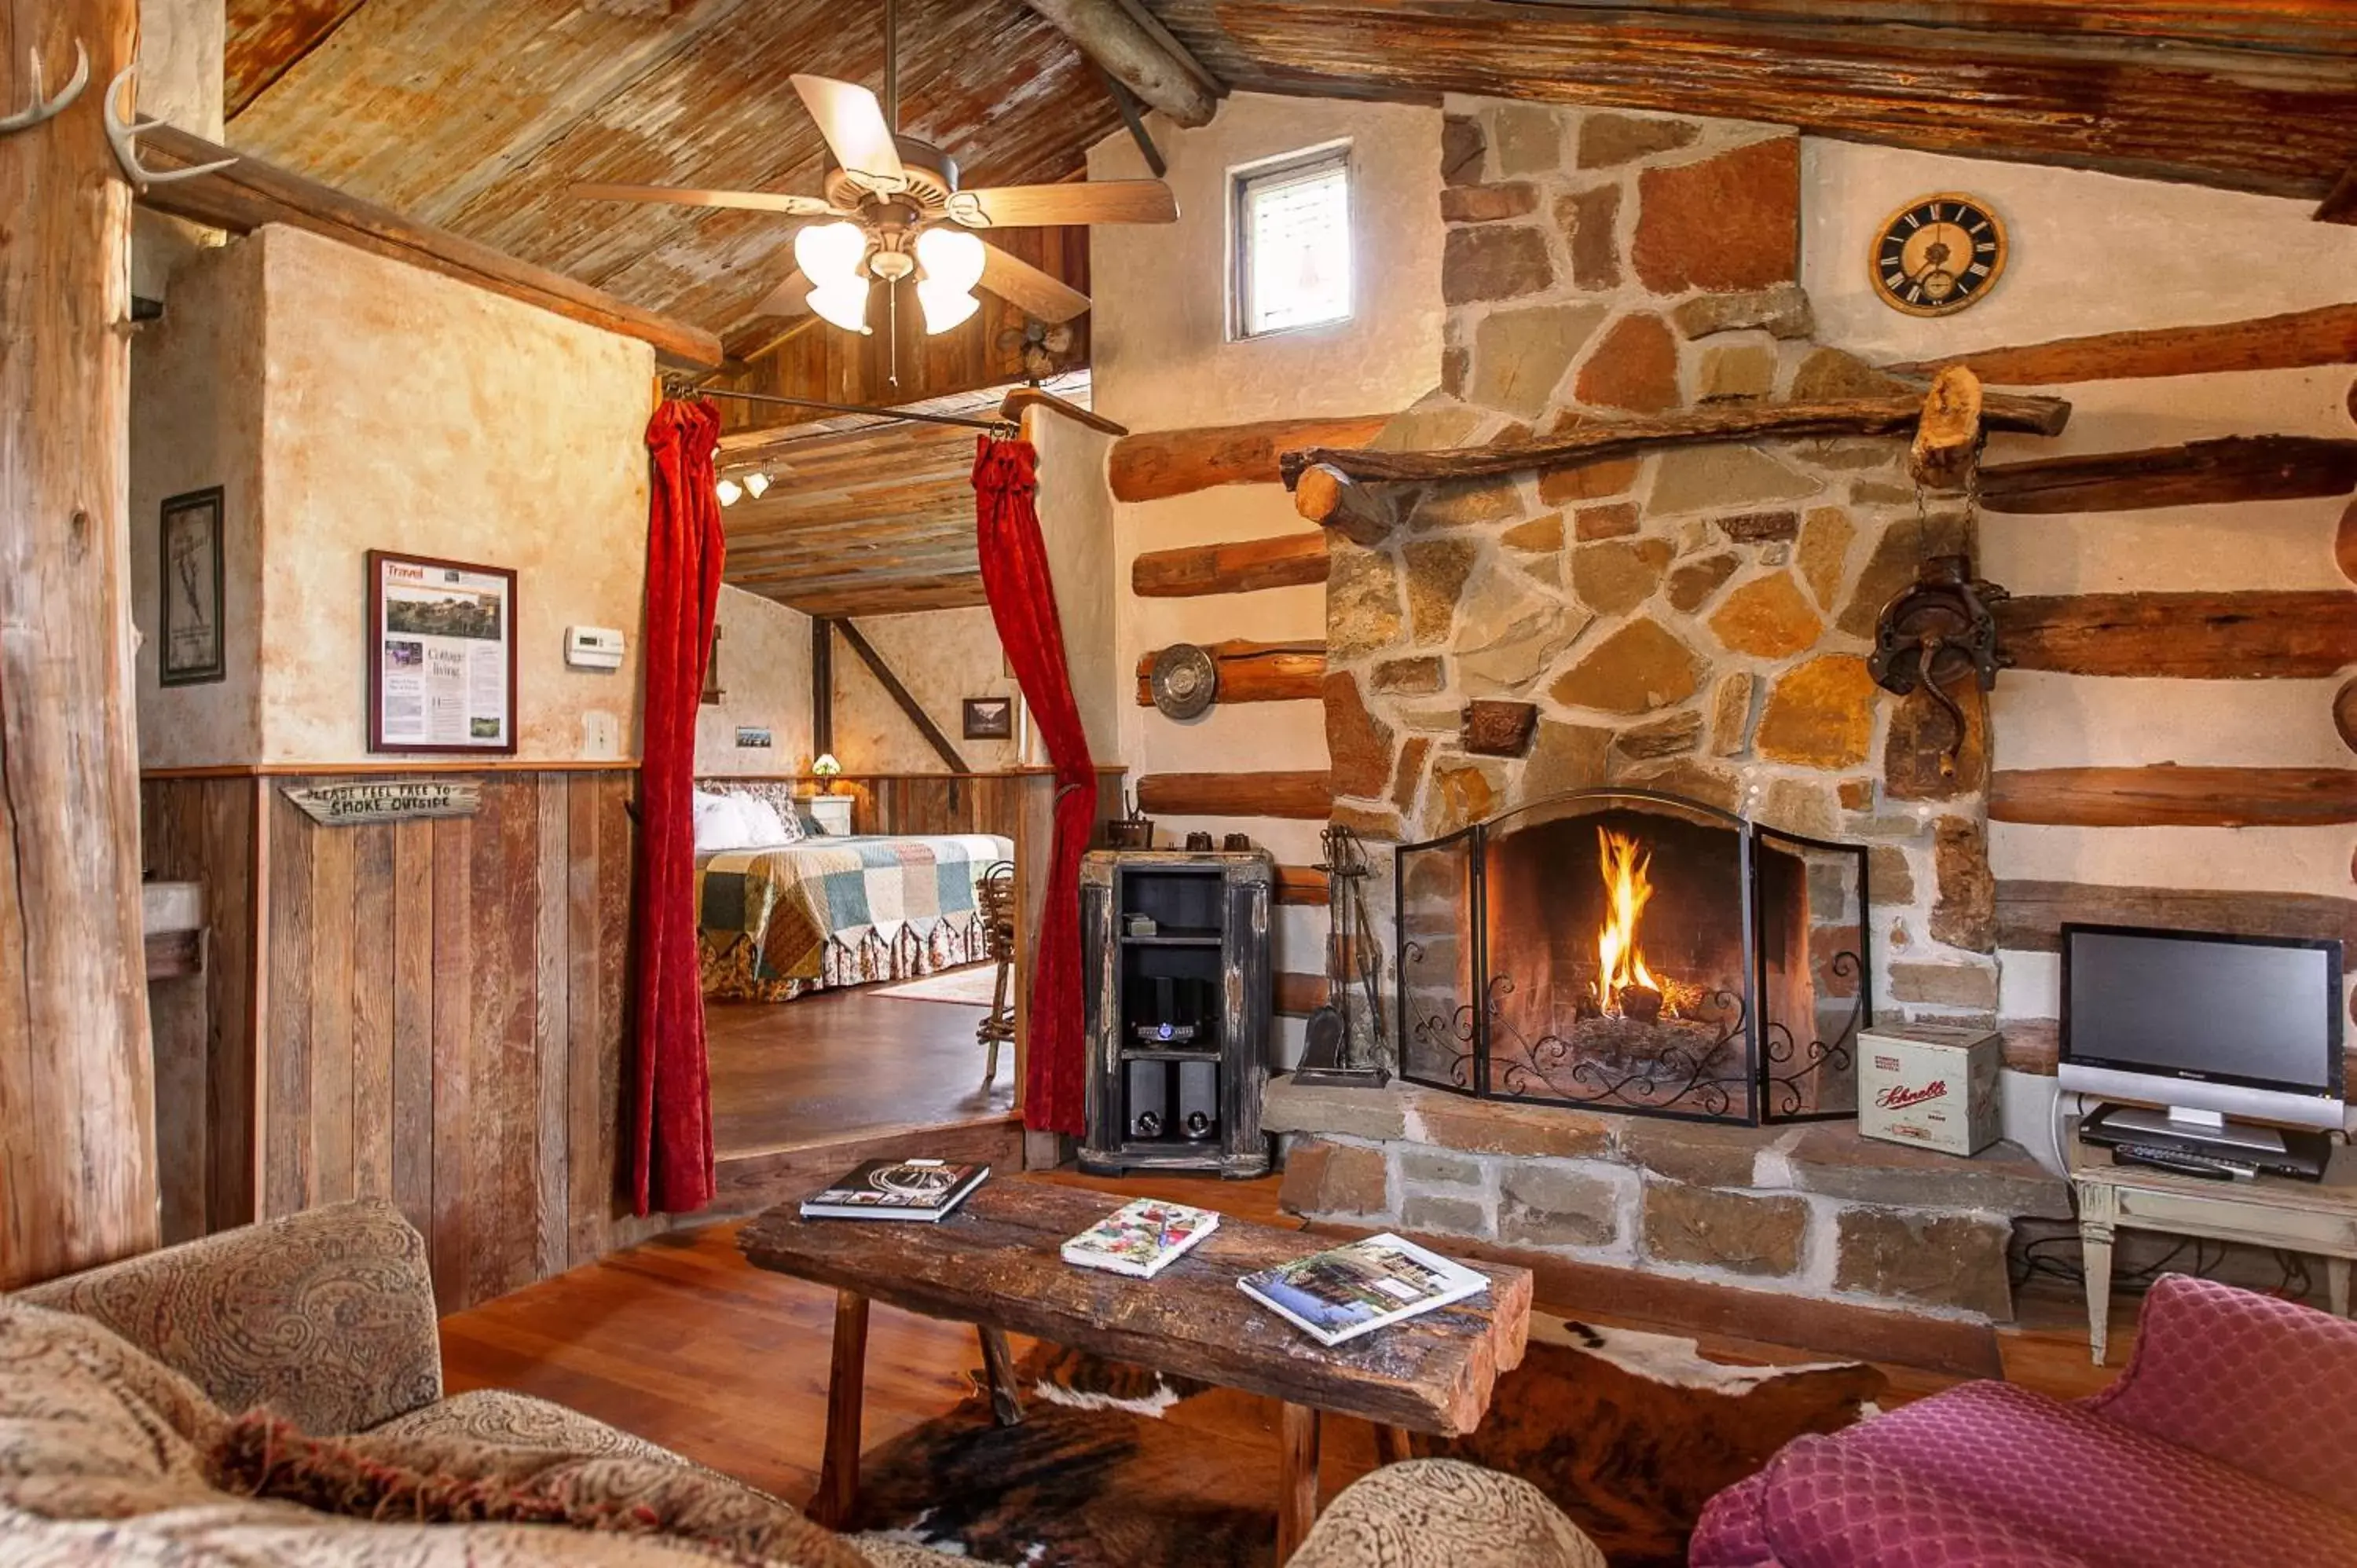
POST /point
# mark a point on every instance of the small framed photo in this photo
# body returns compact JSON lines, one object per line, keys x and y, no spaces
{"x":441,"y":655}
{"x":189,"y":622}
{"x":990,"y":719}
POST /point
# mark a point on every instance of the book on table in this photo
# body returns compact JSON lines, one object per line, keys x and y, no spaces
{"x":1141,"y":1238}
{"x":1362,"y":1287}
{"x":896,"y":1189}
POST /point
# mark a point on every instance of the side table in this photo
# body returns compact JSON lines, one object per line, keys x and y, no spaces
{"x":831,"y":812}
{"x":2314,"y":1218}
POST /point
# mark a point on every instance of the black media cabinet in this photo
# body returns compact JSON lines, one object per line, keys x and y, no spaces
{"x":1176,"y":977}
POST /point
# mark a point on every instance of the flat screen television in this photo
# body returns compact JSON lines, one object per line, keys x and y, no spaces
{"x":2206,"y":1025}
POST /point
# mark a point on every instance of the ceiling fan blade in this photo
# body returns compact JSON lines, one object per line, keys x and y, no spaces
{"x":1035,"y":293}
{"x":853,"y":124}
{"x":791,"y":297}
{"x":688,"y":196}
{"x":1092,"y":201}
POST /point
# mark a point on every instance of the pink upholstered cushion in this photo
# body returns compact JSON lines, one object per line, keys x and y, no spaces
{"x":1828,"y":1505}
{"x":2266,"y":1385}
{"x":2103,"y":1490}
{"x":1732,"y":1532}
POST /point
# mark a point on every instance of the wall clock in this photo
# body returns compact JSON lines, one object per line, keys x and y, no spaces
{"x":1938,"y":254}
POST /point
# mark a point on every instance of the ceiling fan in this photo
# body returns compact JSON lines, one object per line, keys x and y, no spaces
{"x":898,"y":213}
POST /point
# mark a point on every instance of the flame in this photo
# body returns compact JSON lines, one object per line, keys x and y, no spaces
{"x":1621,"y":962}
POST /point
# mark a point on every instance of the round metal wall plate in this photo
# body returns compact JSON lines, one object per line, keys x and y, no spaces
{"x":1185,"y":680}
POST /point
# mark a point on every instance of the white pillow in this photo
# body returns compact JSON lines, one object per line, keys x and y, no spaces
{"x":719,"y":824}
{"x":764,"y":829}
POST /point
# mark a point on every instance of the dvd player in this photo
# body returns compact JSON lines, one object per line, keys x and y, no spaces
{"x":2303,"y":1156}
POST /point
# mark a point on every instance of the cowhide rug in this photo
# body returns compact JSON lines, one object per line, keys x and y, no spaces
{"x":1115,"y":1467}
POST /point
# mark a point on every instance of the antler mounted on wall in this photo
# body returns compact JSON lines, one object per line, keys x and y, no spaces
{"x":122,"y":134}
{"x":40,"y":108}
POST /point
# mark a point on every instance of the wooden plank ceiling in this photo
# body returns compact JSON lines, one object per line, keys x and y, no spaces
{"x":2260,"y":95}
{"x":477,"y":115}
{"x":863,"y":516}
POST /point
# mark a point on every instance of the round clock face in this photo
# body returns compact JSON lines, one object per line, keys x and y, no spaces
{"x":1938,"y":254}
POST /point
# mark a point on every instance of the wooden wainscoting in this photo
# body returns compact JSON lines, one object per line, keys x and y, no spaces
{"x":430,"y":1011}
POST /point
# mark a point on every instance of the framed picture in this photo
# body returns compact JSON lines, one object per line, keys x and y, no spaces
{"x":441,"y":656}
{"x":188,"y":623}
{"x":990,"y":719}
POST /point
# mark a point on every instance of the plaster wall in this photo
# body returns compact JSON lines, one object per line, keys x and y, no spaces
{"x":2093,"y":252}
{"x":197,"y":421}
{"x":1076,"y":523}
{"x":943,"y":657}
{"x":1164,"y":360}
{"x":407,"y":411}
{"x":765,"y":681}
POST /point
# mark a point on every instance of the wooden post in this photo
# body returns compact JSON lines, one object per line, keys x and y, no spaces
{"x":822,"y":687}
{"x":77,"y":1081}
{"x":1331,"y":498}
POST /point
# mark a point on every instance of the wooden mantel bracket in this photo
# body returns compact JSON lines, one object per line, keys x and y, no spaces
{"x":1332,"y":489}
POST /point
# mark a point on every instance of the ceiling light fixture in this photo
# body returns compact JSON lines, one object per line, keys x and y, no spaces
{"x":730,"y":491}
{"x":756,"y":483}
{"x":829,"y":255}
{"x":952,"y":260}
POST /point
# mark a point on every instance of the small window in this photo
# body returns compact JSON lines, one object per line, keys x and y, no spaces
{"x":1291,"y":240}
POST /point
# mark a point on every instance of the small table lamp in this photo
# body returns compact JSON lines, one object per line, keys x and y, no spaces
{"x":824,"y":768}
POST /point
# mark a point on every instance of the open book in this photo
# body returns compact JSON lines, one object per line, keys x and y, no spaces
{"x":1140,"y":1238}
{"x":1350,"y":1289}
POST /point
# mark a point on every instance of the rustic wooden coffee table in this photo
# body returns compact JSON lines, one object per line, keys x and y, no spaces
{"x":994,"y":1263}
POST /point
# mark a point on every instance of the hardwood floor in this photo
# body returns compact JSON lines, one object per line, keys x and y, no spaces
{"x":839,"y":1064}
{"x":682,"y":1342}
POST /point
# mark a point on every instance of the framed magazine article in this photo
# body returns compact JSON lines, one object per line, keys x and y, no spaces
{"x":441,"y":656}
{"x":189,"y":617}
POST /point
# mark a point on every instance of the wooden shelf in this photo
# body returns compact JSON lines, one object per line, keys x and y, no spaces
{"x":1175,"y":940}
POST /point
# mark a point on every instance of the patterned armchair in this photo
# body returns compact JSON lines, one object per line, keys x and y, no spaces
{"x":2225,"y":1442}
{"x":327,"y":1317}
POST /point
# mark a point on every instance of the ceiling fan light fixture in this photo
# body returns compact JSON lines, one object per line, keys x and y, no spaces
{"x":952,"y":260}
{"x":829,"y":254}
{"x":844,"y":304}
{"x":944,"y":307}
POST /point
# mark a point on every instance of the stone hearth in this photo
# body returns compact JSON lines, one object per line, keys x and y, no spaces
{"x":1812,"y":1210}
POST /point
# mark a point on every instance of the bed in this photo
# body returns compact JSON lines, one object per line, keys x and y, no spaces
{"x":773,"y":924}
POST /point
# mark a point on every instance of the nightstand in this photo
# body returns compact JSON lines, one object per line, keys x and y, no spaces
{"x":831,"y":812}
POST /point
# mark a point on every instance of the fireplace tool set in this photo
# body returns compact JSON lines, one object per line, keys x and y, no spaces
{"x":1336,"y":1053}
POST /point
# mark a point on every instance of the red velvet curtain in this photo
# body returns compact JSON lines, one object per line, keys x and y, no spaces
{"x":670,"y":1142}
{"x":1022,"y":595}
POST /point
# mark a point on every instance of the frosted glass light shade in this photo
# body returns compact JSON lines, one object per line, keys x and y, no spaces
{"x":829,"y":254}
{"x":755,"y":483}
{"x":944,"y":307}
{"x":844,"y":304}
{"x":729,"y":491}
{"x":951,"y":257}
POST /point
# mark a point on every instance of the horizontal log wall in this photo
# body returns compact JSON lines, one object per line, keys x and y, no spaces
{"x":2202,"y":637}
{"x":1156,"y":464}
{"x":1254,"y":671}
{"x":1306,"y":794}
{"x":436,"y":1013}
{"x":1284,"y":560}
{"x":2168,"y":796}
{"x":2233,"y":468}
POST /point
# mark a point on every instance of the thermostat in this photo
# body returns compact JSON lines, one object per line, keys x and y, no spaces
{"x":593,"y":647}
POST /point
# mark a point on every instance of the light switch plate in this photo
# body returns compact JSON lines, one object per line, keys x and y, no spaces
{"x":601,"y":735}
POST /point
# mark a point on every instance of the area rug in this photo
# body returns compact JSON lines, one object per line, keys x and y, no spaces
{"x":1115,"y":1467}
{"x":970,"y":986}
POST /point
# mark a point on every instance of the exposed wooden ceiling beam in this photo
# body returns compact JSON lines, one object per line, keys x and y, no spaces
{"x":250,"y":193}
{"x":1147,"y":60}
{"x":2271,"y":108}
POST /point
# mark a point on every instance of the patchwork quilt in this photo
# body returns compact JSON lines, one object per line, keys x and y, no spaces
{"x":774,"y":923}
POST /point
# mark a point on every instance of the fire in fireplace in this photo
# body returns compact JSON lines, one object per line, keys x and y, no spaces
{"x":1634,"y":950}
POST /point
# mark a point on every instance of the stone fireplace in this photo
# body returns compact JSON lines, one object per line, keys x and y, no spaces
{"x":1657,"y":659}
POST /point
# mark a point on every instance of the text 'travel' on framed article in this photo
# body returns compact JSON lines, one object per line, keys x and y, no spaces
{"x":442,"y":656}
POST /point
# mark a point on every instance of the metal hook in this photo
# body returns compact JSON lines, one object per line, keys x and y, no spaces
{"x":126,"y":151}
{"x":40,"y":108}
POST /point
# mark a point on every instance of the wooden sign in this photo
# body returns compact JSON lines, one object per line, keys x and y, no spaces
{"x":353,"y":805}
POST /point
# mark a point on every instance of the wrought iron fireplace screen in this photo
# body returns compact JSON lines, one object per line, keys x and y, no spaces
{"x":1634,"y":950}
